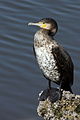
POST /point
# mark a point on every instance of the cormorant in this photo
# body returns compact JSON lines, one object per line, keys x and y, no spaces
{"x":53,"y":60}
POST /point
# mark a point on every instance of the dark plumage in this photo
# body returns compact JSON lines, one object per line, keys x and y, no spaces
{"x":53,"y":60}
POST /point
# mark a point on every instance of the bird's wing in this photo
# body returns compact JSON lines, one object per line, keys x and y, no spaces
{"x":64,"y":62}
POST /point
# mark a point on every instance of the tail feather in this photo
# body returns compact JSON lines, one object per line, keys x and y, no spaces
{"x":66,"y":87}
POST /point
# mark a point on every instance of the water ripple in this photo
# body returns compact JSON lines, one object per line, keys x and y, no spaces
{"x":20,"y":77}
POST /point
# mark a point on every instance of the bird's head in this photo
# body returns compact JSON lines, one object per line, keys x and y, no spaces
{"x":47,"y":24}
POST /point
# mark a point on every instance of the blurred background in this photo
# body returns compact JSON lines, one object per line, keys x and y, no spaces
{"x":20,"y":77}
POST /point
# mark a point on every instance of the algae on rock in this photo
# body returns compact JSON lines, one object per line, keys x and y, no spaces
{"x":68,"y":108}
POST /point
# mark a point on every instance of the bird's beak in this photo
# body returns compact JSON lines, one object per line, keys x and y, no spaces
{"x":36,"y":24}
{"x":40,"y":24}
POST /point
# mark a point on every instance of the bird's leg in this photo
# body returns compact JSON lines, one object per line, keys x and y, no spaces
{"x":49,"y":89}
{"x":49,"y":83}
{"x":53,"y":94}
{"x":46,"y":93}
{"x":60,"y":86}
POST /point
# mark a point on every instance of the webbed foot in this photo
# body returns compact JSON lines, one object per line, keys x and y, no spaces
{"x":53,"y":94}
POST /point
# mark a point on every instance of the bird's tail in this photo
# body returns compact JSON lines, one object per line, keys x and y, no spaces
{"x":66,"y":87}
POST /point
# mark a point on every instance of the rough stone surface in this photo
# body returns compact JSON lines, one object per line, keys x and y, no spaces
{"x":68,"y":108}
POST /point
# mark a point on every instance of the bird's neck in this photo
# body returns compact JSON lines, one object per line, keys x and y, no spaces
{"x":46,"y":32}
{"x":42,"y":38}
{"x":43,"y":35}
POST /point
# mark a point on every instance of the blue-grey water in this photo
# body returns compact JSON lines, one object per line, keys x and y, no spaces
{"x":20,"y":77}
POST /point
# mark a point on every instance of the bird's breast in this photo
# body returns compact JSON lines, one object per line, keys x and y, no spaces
{"x":44,"y":57}
{"x":47,"y":62}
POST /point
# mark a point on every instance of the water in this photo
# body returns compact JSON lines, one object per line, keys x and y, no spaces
{"x":20,"y":77}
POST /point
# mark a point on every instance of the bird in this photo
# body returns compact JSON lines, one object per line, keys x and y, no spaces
{"x":53,"y":60}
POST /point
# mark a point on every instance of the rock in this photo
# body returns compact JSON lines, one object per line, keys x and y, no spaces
{"x":68,"y":108}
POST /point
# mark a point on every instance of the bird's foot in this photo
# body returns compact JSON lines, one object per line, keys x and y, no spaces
{"x":53,"y":94}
